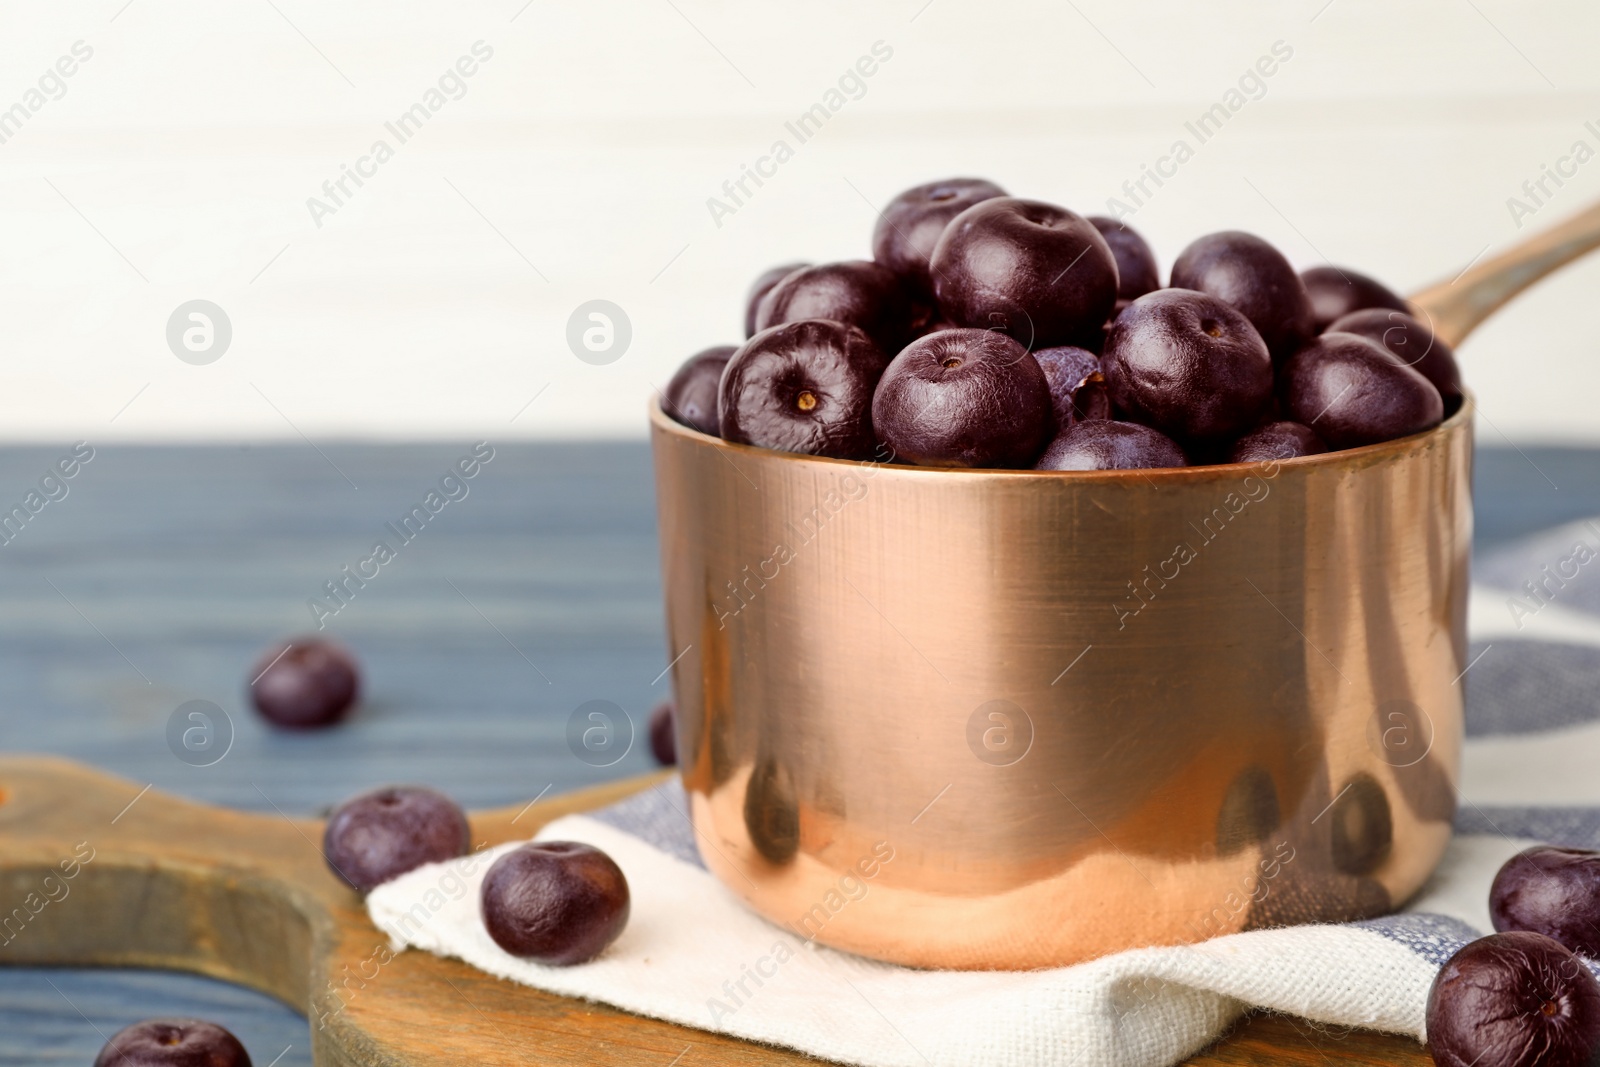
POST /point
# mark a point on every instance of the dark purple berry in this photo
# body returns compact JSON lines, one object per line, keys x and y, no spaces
{"x":803,"y":387}
{"x":1352,"y":391}
{"x":857,"y":293}
{"x":1337,"y":291}
{"x":760,"y":288}
{"x":1104,"y":445}
{"x":1137,"y":273}
{"x":1077,"y":388}
{"x":1189,"y":365}
{"x":306,"y":683}
{"x":964,"y":398}
{"x":173,"y":1043}
{"x":1033,"y":270}
{"x":663,"y":734}
{"x":1253,"y":276}
{"x":1551,"y":891}
{"x":555,"y":902}
{"x":1514,"y":1000}
{"x":910,"y":226}
{"x":1413,"y":343}
{"x":691,"y":395}
{"x":1276,"y":440}
{"x":381,"y":835}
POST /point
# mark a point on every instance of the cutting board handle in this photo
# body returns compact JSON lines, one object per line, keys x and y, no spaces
{"x":96,"y":870}
{"x":101,"y":871}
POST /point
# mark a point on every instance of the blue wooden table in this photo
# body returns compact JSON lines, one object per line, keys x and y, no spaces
{"x":163,"y":572}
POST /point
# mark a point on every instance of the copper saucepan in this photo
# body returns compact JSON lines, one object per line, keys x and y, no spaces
{"x":1007,"y":719}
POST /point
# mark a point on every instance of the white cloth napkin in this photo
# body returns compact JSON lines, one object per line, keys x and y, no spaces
{"x":693,"y":954}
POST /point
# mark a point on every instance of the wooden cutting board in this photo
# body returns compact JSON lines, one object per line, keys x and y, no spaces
{"x":97,"y":871}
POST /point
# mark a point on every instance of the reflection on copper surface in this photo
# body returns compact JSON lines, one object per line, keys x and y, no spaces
{"x":1085,"y":712}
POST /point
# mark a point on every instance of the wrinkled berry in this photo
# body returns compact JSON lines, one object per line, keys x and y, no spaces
{"x":1189,"y":365}
{"x":1254,"y":277}
{"x":1276,"y":440}
{"x":1137,"y":273}
{"x":803,"y":387}
{"x":1352,"y":391}
{"x":1514,"y":1000}
{"x":1033,"y":270}
{"x":555,"y":902}
{"x":1337,"y":291}
{"x":1412,"y":343}
{"x":1104,"y":445}
{"x":381,"y":835}
{"x":1077,"y":388}
{"x":173,"y":1043}
{"x":910,"y":226}
{"x":1551,"y":891}
{"x":964,"y":398}
{"x":857,"y":293}
{"x":760,"y":288}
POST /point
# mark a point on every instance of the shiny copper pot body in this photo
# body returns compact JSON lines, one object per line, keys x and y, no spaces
{"x":1006,"y":719}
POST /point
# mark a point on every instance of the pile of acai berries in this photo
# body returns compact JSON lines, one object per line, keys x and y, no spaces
{"x":991,"y":331}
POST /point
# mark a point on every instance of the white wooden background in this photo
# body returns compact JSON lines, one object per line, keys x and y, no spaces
{"x":577,"y":164}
